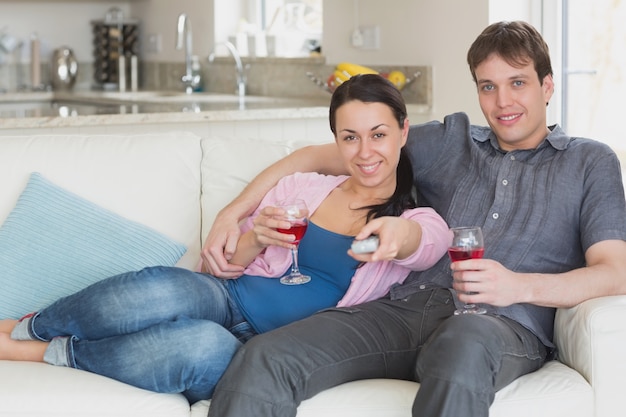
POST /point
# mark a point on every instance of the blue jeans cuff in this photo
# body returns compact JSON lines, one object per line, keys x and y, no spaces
{"x":21,"y":331}
{"x":57,"y":352}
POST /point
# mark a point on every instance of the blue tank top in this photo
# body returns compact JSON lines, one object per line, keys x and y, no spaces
{"x":268,"y":304}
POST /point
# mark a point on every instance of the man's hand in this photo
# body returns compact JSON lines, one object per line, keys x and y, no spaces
{"x":219,"y":247}
{"x":486,"y":281}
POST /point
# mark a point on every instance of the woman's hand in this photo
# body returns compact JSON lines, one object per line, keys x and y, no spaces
{"x":262,"y":235}
{"x":227,"y":252}
{"x":265,"y":224}
{"x":399,"y":238}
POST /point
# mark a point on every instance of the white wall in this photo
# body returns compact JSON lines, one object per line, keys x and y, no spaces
{"x":60,"y":23}
{"x":414,"y":32}
{"x":57,"y":24}
{"x":514,"y":10}
{"x":160,"y":17}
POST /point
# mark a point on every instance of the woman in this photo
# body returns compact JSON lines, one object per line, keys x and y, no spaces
{"x":174,"y":330}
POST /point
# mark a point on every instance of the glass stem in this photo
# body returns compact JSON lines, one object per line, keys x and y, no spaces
{"x":294,"y":265}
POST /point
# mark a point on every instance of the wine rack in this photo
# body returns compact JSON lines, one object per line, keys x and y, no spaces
{"x":113,"y":38}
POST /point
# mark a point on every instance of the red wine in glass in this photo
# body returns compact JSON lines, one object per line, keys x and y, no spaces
{"x":461,"y":254}
{"x":297,"y":213}
{"x":298,"y":229}
{"x":467,"y":243}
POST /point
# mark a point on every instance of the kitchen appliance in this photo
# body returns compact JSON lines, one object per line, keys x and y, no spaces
{"x":63,"y":69}
{"x":115,"y":43}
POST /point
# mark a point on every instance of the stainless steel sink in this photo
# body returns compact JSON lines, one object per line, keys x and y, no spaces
{"x":114,"y":102}
{"x":157,"y":101}
{"x":175,"y":97}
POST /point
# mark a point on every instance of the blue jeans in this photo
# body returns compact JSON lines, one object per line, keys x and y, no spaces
{"x":163,"y":329}
{"x":460,"y":361}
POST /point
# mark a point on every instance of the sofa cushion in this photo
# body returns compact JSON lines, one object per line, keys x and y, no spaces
{"x":32,"y":389}
{"x":55,"y":243}
{"x":554,"y":390}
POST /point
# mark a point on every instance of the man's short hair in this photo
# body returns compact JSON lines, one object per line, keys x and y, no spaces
{"x":518,"y":43}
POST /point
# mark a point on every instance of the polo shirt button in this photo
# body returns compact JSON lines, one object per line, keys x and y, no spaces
{"x":505,"y":182}
{"x":495,"y":216}
{"x":512,"y":157}
{"x":422,"y":287}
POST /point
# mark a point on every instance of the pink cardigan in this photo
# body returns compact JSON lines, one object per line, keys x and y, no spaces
{"x":373,"y":279}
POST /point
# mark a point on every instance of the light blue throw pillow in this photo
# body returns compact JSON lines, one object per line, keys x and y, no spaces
{"x":54,"y":243}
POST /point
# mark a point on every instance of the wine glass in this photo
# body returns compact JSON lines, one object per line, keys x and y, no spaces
{"x":467,"y":243}
{"x":297,"y":213}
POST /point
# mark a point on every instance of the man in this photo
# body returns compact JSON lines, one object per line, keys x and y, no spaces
{"x":553,"y":214}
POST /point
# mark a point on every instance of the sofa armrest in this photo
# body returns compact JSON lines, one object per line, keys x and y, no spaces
{"x":591,"y":338}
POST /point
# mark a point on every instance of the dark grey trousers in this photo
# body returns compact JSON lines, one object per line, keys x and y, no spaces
{"x":460,"y":361}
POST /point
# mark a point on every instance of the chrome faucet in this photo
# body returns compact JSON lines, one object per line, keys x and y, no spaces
{"x":190,"y":80}
{"x":241,"y":76}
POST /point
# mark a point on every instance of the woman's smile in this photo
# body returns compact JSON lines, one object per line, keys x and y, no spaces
{"x":369,"y":168}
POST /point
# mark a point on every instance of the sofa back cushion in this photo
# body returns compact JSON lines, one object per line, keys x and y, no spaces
{"x":229,"y":164}
{"x":152,"y":179}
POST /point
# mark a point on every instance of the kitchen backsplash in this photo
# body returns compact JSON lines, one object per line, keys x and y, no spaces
{"x":265,"y":76}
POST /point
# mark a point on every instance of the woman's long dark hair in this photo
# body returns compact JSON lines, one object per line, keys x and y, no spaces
{"x":373,"y":88}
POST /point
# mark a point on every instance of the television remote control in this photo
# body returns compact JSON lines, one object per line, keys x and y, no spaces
{"x":367,"y":245}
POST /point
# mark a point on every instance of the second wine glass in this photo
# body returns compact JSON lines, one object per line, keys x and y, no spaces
{"x":467,"y":243}
{"x":296,"y":213}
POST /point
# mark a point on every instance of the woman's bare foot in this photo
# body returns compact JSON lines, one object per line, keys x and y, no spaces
{"x":21,"y":350}
{"x":7,"y":325}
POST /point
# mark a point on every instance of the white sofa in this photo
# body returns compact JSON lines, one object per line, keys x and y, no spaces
{"x":175,"y":182}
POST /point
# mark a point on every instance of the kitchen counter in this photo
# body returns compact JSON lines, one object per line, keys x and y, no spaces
{"x":63,"y":109}
{"x":91,"y":108}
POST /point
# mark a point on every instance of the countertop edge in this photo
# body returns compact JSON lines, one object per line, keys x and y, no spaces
{"x":303,"y":112}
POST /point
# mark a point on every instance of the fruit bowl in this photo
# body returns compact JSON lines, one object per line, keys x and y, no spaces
{"x":330,"y":83}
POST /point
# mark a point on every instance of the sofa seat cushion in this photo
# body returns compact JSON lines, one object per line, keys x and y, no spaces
{"x":35,"y":389}
{"x":555,"y":390}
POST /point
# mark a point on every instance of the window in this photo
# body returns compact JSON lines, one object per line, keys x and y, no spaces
{"x":594,"y":71}
{"x":587,"y":41}
{"x":282,"y":28}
